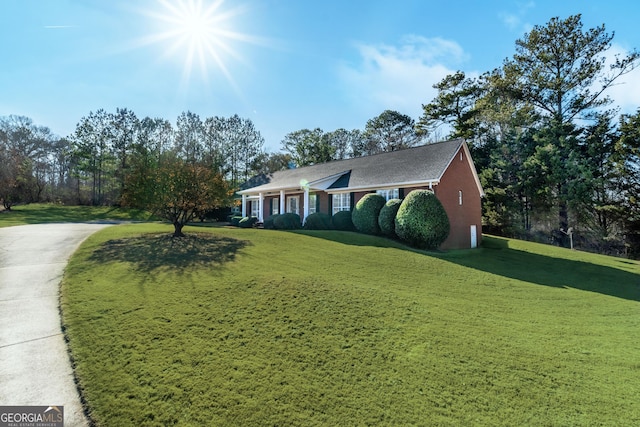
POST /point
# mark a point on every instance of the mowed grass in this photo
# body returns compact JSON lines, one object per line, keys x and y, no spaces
{"x":238,"y":327}
{"x":40,"y":213}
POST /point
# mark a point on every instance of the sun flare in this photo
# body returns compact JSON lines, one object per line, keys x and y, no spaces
{"x":199,"y":34}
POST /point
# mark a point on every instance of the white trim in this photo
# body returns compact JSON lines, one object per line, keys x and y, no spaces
{"x":260,"y":207}
{"x":282,"y":201}
{"x":244,"y":205}
{"x":324,"y":183}
{"x":384,"y":187}
{"x":305,"y":202}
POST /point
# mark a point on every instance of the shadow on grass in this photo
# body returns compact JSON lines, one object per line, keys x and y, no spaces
{"x":496,"y":257}
{"x":150,"y":252}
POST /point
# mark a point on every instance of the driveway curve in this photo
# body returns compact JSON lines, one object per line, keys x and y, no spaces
{"x":35,"y":368}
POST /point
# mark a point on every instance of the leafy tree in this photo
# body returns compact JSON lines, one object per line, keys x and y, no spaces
{"x":124,"y":125}
{"x":93,"y":154}
{"x":454,"y":106}
{"x":390,"y":131}
{"x":189,"y":136}
{"x":176,"y":189}
{"x":308,"y":147}
{"x":561,"y":71}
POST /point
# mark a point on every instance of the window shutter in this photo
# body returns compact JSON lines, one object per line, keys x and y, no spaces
{"x":330,"y":204}
{"x":317,"y":202}
{"x":353,"y":200}
{"x":401,"y":193}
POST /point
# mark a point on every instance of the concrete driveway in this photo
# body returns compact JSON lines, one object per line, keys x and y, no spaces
{"x":34,"y":364}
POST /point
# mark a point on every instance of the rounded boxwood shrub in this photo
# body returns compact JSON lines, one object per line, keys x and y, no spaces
{"x":287,"y":221}
{"x":387,"y":217}
{"x":422,"y":221}
{"x":248,"y":222}
{"x":365,"y":214}
{"x":269,"y":223}
{"x":235,"y":220}
{"x":318,"y":221}
{"x":342,"y":221}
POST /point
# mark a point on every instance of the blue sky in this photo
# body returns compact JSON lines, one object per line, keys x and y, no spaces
{"x":284,"y":64}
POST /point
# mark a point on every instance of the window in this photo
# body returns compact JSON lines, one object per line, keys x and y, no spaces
{"x":312,"y":203}
{"x":389,"y":194}
{"x":460,"y":197}
{"x":255,"y":208}
{"x":293,"y":205}
{"x":341,"y":202}
{"x":275,"y":206}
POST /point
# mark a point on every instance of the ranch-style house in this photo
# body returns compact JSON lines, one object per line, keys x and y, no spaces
{"x":446,"y":168}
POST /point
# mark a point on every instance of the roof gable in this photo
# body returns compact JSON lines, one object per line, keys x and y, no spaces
{"x":418,"y":165}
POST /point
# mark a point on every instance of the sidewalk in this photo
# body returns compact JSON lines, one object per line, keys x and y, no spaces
{"x":34,"y":364}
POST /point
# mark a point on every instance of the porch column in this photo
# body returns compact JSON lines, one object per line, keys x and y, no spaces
{"x":281,"y":202}
{"x":244,"y":205}
{"x":306,"y":204}
{"x":260,"y":207}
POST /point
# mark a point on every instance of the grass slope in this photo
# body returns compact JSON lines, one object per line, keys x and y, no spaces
{"x":40,"y":213}
{"x":259,"y":327}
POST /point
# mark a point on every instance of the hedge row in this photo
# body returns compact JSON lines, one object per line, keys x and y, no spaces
{"x":419,"y":220}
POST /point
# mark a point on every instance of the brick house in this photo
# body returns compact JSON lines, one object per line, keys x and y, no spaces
{"x":444,"y":167}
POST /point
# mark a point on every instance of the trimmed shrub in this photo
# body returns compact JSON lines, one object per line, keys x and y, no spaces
{"x":269,"y":223}
{"x":248,"y":222}
{"x":365,"y":214}
{"x":342,"y":221}
{"x":318,"y":221}
{"x":287,"y":221}
{"x":422,"y":221}
{"x":235,"y":220}
{"x":387,"y":217}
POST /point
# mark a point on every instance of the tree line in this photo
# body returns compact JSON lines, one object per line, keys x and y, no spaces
{"x":554,"y":155}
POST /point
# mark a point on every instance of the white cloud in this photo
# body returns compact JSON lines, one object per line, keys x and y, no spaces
{"x":400,"y":77}
{"x":516,"y":21}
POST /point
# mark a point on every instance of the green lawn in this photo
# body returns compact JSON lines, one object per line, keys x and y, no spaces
{"x":242,"y":327}
{"x":40,"y":213}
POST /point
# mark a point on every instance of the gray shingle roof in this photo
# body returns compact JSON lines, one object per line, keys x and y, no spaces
{"x":422,"y":164}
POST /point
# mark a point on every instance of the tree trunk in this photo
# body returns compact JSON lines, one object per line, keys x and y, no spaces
{"x":177,"y":229}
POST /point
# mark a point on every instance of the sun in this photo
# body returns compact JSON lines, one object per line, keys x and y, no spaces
{"x":199,"y":34}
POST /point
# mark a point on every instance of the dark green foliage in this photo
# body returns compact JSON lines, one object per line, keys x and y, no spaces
{"x":287,"y":221}
{"x":387,"y":217}
{"x":342,"y":221}
{"x":318,"y":221}
{"x":269,"y":223}
{"x":248,"y":222}
{"x":365,"y":213}
{"x":235,"y":220}
{"x":421,"y":220}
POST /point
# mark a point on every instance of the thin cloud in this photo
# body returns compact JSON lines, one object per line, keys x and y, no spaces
{"x":626,"y":90}
{"x":516,"y":21}
{"x":401,"y":77}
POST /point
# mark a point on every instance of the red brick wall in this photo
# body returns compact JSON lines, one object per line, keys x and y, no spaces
{"x":459,"y":177}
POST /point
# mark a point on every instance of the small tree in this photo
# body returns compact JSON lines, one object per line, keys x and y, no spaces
{"x":176,"y":190}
